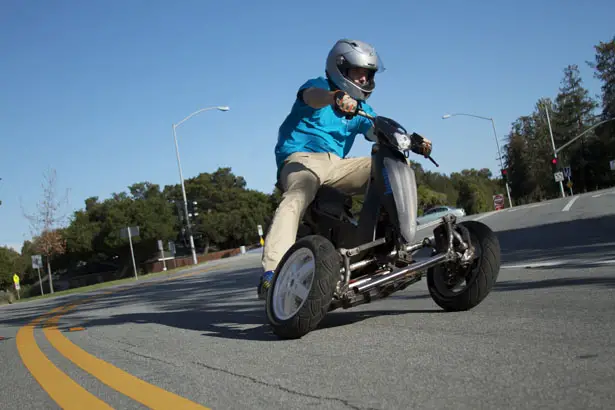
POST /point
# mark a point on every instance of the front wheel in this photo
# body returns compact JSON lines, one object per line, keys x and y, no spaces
{"x":302,"y":287}
{"x":443,"y":281}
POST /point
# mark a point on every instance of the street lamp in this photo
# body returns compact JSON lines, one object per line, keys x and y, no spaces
{"x":445,"y":116}
{"x":181,"y":176}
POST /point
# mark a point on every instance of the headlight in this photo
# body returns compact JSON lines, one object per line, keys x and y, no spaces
{"x":403,"y":141}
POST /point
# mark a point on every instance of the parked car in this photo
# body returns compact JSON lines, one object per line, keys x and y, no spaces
{"x":438,"y":212}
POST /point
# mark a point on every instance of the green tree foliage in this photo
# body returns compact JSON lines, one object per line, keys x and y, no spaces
{"x":10,"y":263}
{"x":604,"y":70}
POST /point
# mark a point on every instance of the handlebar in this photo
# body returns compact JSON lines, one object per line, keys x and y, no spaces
{"x":372,"y":118}
{"x":366,"y":115}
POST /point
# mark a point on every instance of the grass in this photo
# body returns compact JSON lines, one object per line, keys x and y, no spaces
{"x":110,"y":283}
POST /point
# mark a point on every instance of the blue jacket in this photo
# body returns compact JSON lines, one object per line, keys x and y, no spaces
{"x":307,"y":129}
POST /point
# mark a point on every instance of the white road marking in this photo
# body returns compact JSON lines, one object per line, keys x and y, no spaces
{"x":569,"y":204}
{"x":530,"y":206}
{"x":437,"y":221}
{"x":428,"y":224}
{"x":576,"y":247}
{"x":483,"y":216}
{"x":558,"y":262}
{"x":604,"y":193}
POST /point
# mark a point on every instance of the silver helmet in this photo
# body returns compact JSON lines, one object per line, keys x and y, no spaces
{"x":347,"y":54}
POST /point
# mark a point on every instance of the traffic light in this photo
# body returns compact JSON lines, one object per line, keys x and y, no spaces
{"x":504,"y":174}
{"x":192,"y":209}
{"x":554,"y":161}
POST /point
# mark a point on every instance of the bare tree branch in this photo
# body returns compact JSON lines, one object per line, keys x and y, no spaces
{"x":46,"y":223}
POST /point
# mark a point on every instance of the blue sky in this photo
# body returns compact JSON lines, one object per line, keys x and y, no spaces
{"x":92,"y":88}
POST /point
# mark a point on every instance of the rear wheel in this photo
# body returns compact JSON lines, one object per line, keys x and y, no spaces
{"x":456,"y":289}
{"x":302,"y":287}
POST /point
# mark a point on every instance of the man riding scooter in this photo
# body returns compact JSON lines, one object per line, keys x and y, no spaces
{"x":315,"y":138}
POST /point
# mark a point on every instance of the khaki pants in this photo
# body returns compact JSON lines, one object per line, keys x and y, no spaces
{"x":301,"y":176}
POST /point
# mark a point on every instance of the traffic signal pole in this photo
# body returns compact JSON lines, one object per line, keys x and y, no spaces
{"x":561,"y":183}
{"x":497,"y":144}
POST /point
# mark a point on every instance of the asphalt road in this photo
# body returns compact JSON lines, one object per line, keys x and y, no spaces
{"x":544,"y":338}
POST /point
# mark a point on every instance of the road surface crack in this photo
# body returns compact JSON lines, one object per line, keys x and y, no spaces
{"x":250,"y":378}
{"x":284,"y":389}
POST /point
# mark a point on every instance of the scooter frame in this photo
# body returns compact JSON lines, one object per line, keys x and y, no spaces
{"x":329,"y":215}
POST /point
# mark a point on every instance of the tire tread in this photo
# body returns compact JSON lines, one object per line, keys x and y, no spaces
{"x":487,"y":275}
{"x":327,"y":260}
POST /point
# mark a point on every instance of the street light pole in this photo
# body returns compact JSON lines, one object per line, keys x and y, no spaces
{"x":181,"y":176}
{"x":445,"y":116}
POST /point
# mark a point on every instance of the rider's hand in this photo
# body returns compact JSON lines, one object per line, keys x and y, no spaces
{"x":426,"y":147}
{"x":345,"y":103}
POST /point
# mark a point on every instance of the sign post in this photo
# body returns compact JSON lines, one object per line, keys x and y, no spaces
{"x":260,"y":234}
{"x":130,"y":232}
{"x":37,"y":263}
{"x":161,"y":249}
{"x":498,"y":201}
{"x":568,"y":174}
{"x":173,"y":252}
{"x":17,"y":287}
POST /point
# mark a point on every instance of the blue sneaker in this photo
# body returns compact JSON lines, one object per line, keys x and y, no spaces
{"x":264,"y":284}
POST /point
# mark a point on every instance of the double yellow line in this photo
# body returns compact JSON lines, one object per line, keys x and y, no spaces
{"x":65,"y":391}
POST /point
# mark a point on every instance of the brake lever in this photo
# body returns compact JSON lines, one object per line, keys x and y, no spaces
{"x":418,"y":140}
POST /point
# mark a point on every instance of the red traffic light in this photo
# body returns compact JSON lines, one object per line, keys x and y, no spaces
{"x":554,"y":161}
{"x":504,"y":172}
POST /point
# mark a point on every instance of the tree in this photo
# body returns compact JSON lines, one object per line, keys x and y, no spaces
{"x":529,"y":151}
{"x":604,"y":70}
{"x":573,"y":115}
{"x":522,"y":184}
{"x":10,"y":264}
{"x":604,"y":66}
{"x":46,"y":223}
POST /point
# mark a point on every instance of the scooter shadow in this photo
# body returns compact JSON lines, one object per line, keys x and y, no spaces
{"x":348,"y":317}
{"x":331,"y":320}
{"x":335,"y":319}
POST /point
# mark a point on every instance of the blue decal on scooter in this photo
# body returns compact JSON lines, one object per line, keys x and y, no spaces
{"x":387,"y":184}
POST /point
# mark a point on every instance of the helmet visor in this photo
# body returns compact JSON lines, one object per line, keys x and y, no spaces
{"x":381,"y":67}
{"x":366,"y":57}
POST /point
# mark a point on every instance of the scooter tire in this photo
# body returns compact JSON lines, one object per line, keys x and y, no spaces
{"x":326,"y":274}
{"x":482,"y":278}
